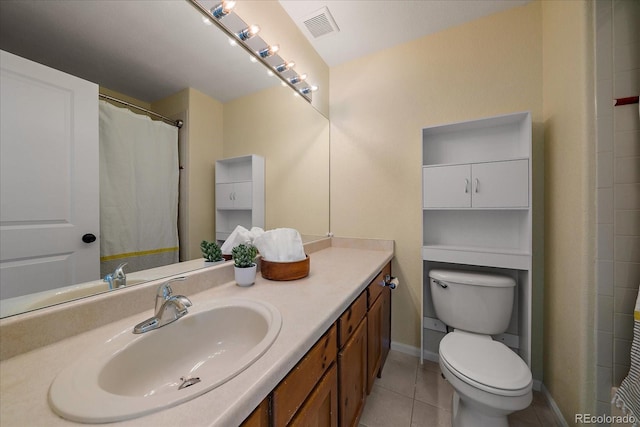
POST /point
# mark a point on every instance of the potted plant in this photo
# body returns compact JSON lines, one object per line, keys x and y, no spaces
{"x":243,"y":264}
{"x":211,"y":251}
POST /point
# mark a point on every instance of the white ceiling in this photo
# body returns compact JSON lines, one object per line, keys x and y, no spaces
{"x":368,"y":26}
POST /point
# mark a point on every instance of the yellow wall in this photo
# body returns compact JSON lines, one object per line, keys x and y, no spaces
{"x":379,"y":105}
{"x":569,"y":361}
{"x":294,"y":140}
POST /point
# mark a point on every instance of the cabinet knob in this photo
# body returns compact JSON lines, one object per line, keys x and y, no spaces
{"x":477,"y":183}
{"x":466,"y":185}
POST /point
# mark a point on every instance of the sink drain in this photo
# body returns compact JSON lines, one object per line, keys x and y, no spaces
{"x":188,"y":382}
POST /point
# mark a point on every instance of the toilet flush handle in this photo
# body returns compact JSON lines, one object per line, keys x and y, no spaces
{"x":442,"y":285}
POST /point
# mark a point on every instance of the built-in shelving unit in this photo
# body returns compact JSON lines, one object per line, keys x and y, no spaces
{"x":476,"y":182}
{"x":239,"y":194}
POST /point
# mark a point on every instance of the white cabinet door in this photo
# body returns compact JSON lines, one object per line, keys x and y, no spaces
{"x":49,"y":178}
{"x":446,"y":186}
{"x":500,"y":184}
{"x":242,"y":195}
{"x":224,"y":196}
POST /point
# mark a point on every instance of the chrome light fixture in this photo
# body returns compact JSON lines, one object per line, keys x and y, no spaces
{"x":268,"y":51}
{"x":248,"y":32}
{"x":284,"y":66}
{"x":242,"y":34}
{"x":307,"y":90}
{"x":297,"y":79}
{"x":223,"y":9}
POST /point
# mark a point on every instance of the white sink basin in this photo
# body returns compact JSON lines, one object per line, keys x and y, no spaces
{"x":133,"y":375}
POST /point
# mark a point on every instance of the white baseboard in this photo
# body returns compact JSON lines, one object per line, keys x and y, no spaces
{"x":406,"y":349}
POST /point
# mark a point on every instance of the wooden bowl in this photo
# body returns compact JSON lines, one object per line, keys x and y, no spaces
{"x":293,"y":270}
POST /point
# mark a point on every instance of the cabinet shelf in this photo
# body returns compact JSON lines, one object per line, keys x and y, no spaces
{"x":472,"y":255}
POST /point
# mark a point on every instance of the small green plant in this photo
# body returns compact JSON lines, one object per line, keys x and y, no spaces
{"x":243,"y":255}
{"x":211,"y":251}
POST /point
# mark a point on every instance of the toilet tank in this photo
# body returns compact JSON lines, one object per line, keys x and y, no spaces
{"x":472,"y":301}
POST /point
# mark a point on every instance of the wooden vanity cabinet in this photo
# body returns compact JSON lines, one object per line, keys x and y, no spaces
{"x":378,"y":326}
{"x":352,"y":362}
{"x":328,"y":387}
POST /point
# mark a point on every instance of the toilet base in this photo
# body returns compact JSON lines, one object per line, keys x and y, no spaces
{"x":465,"y":415}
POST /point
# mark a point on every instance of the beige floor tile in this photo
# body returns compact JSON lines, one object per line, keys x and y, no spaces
{"x":399,"y":376}
{"x":429,"y":415}
{"x":428,"y":365}
{"x":433,"y":389}
{"x":403,"y":358}
{"x":545,"y":415}
{"x":517,"y":422}
{"x":386,"y":408}
{"x":528,"y":414}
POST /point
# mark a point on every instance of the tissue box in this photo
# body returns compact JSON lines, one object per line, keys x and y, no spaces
{"x":292,"y":270}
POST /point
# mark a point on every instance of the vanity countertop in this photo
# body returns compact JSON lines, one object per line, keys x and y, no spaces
{"x":308,"y":306}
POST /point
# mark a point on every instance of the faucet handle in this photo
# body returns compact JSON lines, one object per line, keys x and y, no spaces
{"x":119,"y":270}
{"x":165,"y":292}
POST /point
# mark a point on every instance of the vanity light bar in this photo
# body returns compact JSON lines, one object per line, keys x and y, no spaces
{"x":267,"y":55}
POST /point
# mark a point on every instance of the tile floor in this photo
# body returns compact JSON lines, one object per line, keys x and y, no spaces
{"x":417,"y":396}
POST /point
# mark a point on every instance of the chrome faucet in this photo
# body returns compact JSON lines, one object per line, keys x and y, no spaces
{"x":169,"y":308}
{"x":117,"y":279}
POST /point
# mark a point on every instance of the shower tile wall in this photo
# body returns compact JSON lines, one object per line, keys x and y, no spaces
{"x":617,"y":59}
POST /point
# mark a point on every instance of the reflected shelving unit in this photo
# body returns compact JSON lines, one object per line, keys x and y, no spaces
{"x":239,"y":194}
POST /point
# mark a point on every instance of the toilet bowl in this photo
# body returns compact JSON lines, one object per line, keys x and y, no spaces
{"x":490,"y":380}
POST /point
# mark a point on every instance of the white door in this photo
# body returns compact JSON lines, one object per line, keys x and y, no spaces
{"x":446,"y":186}
{"x":49,"y":183}
{"x":501,"y":184}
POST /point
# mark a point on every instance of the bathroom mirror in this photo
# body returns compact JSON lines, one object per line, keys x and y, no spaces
{"x":133,"y":48}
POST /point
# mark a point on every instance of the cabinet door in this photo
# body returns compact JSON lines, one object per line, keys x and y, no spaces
{"x":224,"y":196}
{"x":500,"y":184}
{"x":321,"y":408}
{"x":385,"y":326}
{"x":374,"y":342}
{"x":446,"y":186}
{"x":242,"y":195}
{"x":352,"y":377}
{"x":289,"y":395}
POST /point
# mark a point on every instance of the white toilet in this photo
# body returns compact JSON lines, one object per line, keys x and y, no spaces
{"x":489,"y":379}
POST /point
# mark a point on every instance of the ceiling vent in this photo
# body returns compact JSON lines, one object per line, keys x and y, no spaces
{"x":320,"y":23}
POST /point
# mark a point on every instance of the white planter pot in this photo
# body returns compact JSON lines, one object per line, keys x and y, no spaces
{"x":245,"y":276}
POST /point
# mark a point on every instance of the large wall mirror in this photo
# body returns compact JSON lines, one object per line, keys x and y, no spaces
{"x":164,"y":55}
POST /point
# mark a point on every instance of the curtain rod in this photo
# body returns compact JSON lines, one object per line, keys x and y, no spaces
{"x":176,"y":123}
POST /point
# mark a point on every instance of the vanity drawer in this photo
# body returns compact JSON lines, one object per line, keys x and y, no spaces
{"x":376,"y":287}
{"x":292,"y":392}
{"x":351,"y":318}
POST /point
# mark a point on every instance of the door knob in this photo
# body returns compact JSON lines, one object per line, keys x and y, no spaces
{"x":89,"y":238}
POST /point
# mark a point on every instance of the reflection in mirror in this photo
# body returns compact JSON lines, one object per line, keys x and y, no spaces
{"x":183,"y":69}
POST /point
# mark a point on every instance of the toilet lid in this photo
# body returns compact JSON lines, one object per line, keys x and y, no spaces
{"x":485,"y":362}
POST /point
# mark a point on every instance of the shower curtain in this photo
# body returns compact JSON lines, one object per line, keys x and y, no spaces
{"x":138,"y":191}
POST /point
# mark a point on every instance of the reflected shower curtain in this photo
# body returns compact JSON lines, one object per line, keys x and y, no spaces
{"x":138,"y":191}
